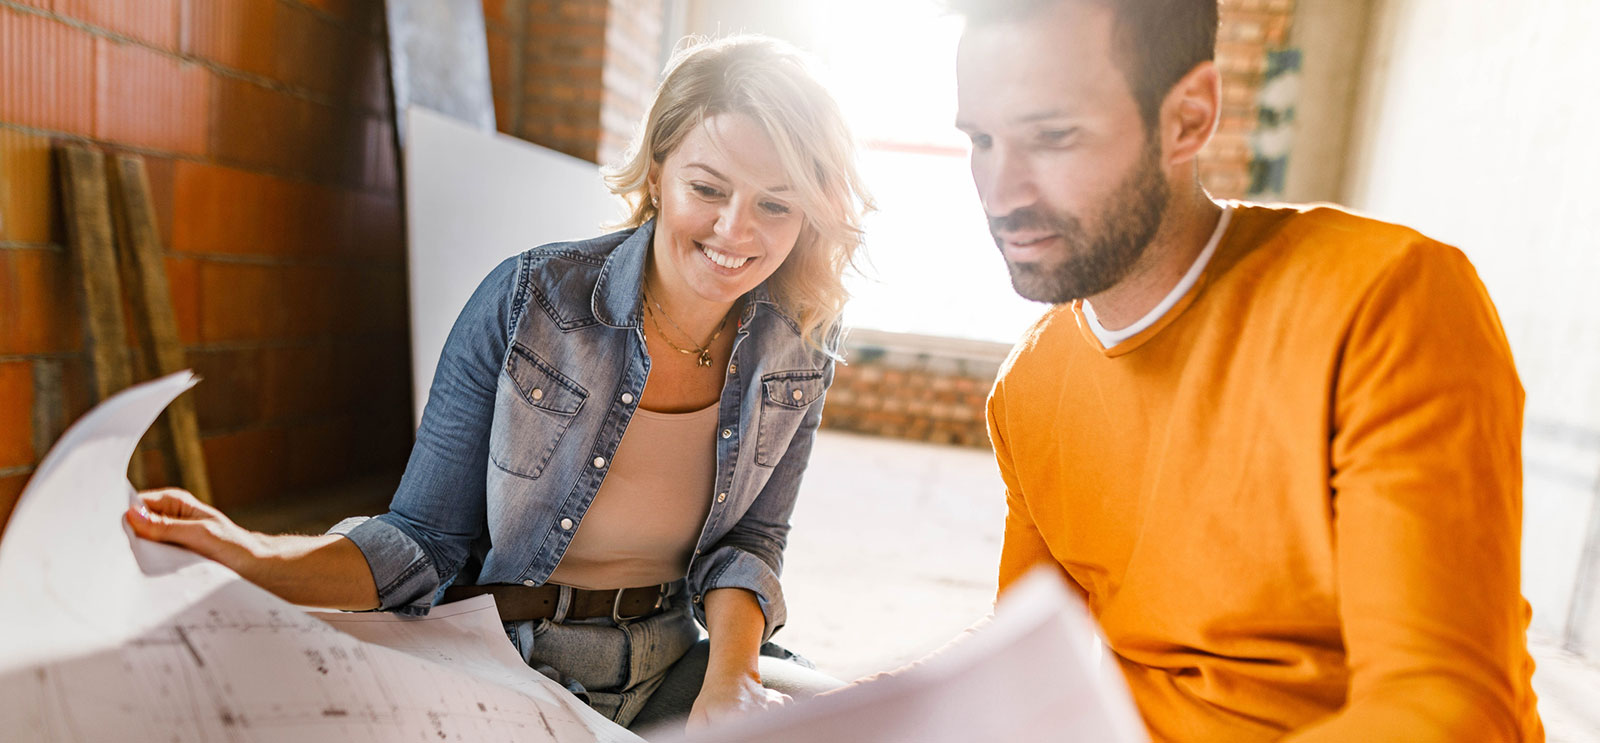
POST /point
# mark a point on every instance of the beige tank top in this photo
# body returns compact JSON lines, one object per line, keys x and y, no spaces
{"x":644,"y":522}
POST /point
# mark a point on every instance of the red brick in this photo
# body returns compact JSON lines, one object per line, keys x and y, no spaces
{"x":183,"y":279}
{"x":159,"y":171}
{"x":152,"y":21}
{"x":16,"y":414}
{"x":310,"y":299}
{"x":229,"y":211}
{"x":229,"y":395}
{"x":10,"y":489}
{"x":319,"y":452}
{"x":312,"y":52}
{"x":298,"y":381}
{"x":236,"y":33}
{"x":245,"y":467}
{"x":27,"y":193}
{"x":48,"y":69}
{"x":378,"y":227}
{"x":497,"y":13}
{"x":240,"y":302}
{"x":40,"y":301}
{"x":149,"y":99}
{"x":258,"y":126}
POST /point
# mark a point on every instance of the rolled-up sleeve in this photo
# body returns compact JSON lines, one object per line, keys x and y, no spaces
{"x":439,"y":508}
{"x":750,"y":556}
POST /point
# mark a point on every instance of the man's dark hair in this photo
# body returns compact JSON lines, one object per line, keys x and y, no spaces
{"x":1157,"y":41}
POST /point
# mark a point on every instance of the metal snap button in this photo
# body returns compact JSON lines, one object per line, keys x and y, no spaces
{"x":626,"y":398}
{"x":599,"y":462}
{"x":727,"y":433}
{"x":537,"y":394}
{"x":798,"y":395}
{"x":721,"y":497}
{"x":733,"y":368}
{"x":566,"y":524}
{"x":528,"y":583}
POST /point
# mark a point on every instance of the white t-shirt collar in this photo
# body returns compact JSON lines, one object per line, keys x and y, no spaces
{"x":1109,"y":338}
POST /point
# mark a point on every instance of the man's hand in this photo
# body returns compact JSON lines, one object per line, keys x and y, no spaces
{"x":727,"y":696}
{"x":176,"y":517}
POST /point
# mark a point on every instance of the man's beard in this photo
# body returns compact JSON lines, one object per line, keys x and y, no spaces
{"x":1092,"y":263}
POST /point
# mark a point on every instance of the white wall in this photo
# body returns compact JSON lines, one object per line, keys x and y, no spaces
{"x":1476,"y":124}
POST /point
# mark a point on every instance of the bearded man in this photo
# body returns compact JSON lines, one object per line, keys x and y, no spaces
{"x":1276,"y":449}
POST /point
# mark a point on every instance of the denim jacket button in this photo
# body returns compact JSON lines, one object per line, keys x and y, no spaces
{"x":599,"y":462}
{"x":537,"y":394}
{"x":627,"y":398}
{"x":798,"y":395}
{"x":696,"y":598}
{"x":721,"y":497}
{"x":727,"y":433}
{"x":566,"y":524}
{"x":528,"y":583}
{"x":733,"y":368}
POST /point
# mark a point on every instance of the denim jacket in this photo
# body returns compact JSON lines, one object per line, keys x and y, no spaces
{"x":536,"y":384}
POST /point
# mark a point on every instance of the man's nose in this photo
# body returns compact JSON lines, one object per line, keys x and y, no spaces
{"x":1005,"y":182}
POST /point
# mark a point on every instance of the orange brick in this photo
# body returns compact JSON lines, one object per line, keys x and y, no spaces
{"x":497,"y":13}
{"x":228,"y":211}
{"x":27,"y":195}
{"x":296,"y":381}
{"x":259,"y":126}
{"x":16,"y":414}
{"x":10,"y":489}
{"x":235,"y":33}
{"x":378,"y":227}
{"x":229,"y":397}
{"x":48,"y":69}
{"x":319,"y":452}
{"x":151,"y":100}
{"x":245,"y":467}
{"x":40,"y":302}
{"x":240,"y":302}
{"x":312,"y":51}
{"x":310,"y":299}
{"x":151,"y":21}
{"x":183,"y":279}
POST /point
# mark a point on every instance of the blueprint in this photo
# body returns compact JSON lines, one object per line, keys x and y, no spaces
{"x":104,"y":636}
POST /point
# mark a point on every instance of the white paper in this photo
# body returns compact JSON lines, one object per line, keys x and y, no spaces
{"x":1036,"y":673}
{"x":104,"y":636}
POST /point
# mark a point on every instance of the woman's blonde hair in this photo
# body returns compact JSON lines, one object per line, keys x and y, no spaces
{"x":768,"y":81}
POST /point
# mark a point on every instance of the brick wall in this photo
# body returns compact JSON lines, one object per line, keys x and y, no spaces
{"x":573,"y":75}
{"x":914,"y":387}
{"x":265,"y":128}
{"x":1248,"y":30}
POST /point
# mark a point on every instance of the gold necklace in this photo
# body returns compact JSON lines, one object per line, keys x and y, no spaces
{"x":703,"y":351}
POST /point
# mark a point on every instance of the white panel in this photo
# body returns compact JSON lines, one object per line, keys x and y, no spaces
{"x":473,"y":199}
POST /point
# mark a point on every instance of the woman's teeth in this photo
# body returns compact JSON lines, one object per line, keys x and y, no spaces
{"x":723,"y":259}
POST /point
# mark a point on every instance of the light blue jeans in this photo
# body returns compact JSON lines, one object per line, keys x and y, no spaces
{"x":618,"y":668}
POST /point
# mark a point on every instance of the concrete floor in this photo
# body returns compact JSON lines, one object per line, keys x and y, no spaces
{"x":894,"y":550}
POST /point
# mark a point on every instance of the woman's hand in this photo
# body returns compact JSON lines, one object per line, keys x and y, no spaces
{"x":176,"y":517}
{"x":726,"y":696}
{"x":327,"y":571}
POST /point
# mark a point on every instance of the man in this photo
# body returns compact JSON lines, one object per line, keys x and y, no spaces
{"x":1275,"y":449}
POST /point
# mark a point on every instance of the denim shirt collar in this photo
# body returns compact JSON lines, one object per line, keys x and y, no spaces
{"x":617,"y":297}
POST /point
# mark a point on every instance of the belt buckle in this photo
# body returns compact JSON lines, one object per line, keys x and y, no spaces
{"x":616,"y":605}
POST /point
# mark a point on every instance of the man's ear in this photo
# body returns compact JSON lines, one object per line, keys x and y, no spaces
{"x":1190,"y":113}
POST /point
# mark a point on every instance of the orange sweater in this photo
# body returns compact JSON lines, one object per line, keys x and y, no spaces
{"x":1294,"y":503}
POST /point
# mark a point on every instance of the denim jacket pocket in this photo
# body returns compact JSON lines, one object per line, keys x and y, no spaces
{"x":533,"y":406}
{"x":785,"y":397}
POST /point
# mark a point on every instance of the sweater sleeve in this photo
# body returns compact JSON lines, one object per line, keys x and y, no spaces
{"x":1023,"y":547}
{"x":1427,"y":508}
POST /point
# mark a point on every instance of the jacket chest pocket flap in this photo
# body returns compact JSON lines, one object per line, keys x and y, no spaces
{"x":534,"y":405}
{"x":785,"y":397}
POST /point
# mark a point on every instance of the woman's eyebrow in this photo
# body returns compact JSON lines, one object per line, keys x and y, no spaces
{"x":714,"y":172}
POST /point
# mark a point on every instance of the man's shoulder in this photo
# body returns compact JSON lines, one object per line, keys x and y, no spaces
{"x":1324,"y":248}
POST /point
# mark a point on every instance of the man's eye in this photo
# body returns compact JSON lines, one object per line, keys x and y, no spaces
{"x":1056,"y":136}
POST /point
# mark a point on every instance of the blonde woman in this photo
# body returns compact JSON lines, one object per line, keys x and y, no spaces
{"x":617,"y":428}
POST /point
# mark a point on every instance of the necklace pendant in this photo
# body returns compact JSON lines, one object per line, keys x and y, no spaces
{"x":705,"y":357}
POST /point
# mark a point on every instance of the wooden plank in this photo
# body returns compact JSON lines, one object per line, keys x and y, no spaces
{"x":145,"y":276}
{"x":87,"y":214}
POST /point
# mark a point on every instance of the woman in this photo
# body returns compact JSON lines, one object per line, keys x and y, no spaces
{"x":658,"y":387}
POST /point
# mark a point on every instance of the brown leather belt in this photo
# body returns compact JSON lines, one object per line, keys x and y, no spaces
{"x":521,"y":603}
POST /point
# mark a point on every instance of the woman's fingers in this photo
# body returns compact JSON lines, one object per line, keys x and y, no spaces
{"x":177,"y":503}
